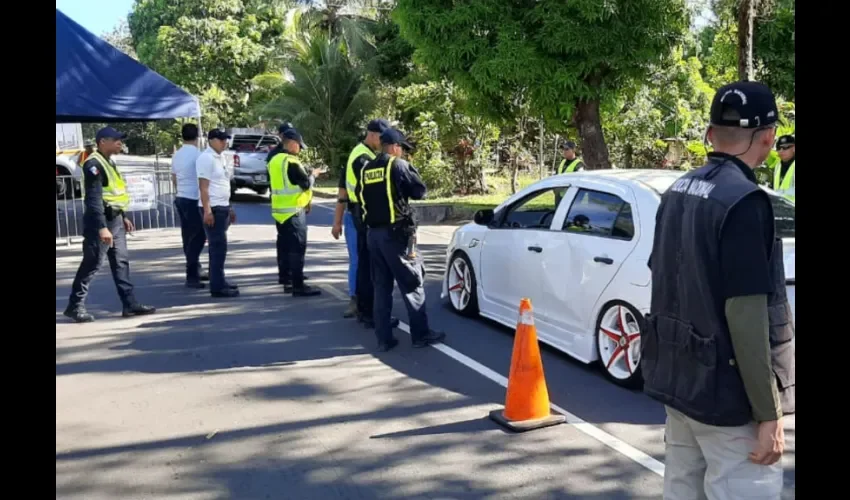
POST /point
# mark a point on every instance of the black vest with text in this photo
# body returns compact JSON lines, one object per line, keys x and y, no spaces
{"x":382,"y":206}
{"x":688,"y":362}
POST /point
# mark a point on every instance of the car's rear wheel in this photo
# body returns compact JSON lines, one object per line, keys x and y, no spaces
{"x":618,"y":335}
{"x":461,"y":284}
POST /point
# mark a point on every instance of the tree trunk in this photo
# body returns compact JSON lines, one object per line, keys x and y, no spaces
{"x":746,"y":16}
{"x":514,"y":174}
{"x":594,"y":151}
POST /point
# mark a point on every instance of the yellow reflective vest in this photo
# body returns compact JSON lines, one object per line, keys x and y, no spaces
{"x":569,"y":168}
{"x":287,"y":199}
{"x":115,"y":194}
{"x":350,"y":178}
{"x":783,"y":185}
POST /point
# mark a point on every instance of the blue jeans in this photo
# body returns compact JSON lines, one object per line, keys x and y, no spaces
{"x":350,"y":232}
{"x":217,"y":238}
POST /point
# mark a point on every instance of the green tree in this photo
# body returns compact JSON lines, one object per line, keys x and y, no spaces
{"x":212,"y":48}
{"x":560,"y":58}
{"x":325,"y":95}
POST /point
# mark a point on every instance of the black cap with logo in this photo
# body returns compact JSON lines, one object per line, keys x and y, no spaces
{"x":785,"y":141}
{"x":749,"y":105}
{"x":218,"y":133}
{"x":109,"y":133}
{"x":393,"y":136}
{"x":568,"y":145}
{"x":293,"y":134}
{"x":378,"y":125}
{"x":283,"y":127}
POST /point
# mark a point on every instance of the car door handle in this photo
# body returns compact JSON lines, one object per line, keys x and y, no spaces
{"x":604,"y":260}
{"x":535,"y":249}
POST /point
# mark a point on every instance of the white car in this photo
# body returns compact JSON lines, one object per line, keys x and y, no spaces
{"x":582,"y":262}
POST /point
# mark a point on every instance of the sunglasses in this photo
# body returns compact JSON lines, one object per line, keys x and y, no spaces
{"x":785,"y":148}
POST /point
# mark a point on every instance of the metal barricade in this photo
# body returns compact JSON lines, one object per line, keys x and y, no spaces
{"x":152,"y":202}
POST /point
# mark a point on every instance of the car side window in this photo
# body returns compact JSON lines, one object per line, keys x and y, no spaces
{"x":535,"y":211}
{"x":600,"y":214}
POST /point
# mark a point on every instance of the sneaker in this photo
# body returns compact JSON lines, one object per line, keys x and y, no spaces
{"x":352,"y":308}
{"x":432,"y":338}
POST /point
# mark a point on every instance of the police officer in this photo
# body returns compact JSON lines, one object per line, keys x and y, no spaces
{"x":718,"y":348}
{"x":104,"y":229}
{"x":386,"y":184}
{"x":783,"y":167}
{"x":291,"y":196}
{"x":362,"y":303}
{"x":279,"y":148}
{"x":571,"y":162}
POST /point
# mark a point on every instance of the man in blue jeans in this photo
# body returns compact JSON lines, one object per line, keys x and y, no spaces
{"x":185,"y":179}
{"x":214,"y":184}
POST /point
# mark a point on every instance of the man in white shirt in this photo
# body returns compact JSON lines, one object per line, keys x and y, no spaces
{"x":215,"y":209}
{"x":185,"y":179}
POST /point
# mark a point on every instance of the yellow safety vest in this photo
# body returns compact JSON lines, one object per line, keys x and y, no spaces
{"x":351,"y":179}
{"x":784,"y":186}
{"x":570,"y":168}
{"x":287,"y":200}
{"x":374,"y":176}
{"x":115,"y":194}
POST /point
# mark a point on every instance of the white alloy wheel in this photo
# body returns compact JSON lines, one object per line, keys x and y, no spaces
{"x":618,"y":337}
{"x":460,"y":282}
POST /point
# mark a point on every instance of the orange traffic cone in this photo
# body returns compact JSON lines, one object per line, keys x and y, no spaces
{"x":527,"y":400}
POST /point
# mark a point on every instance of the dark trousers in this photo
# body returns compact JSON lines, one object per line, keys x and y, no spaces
{"x":94,"y":253}
{"x":389,"y":262}
{"x":291,"y":249}
{"x":194,"y":237}
{"x":365,"y":290}
{"x":217,"y":238}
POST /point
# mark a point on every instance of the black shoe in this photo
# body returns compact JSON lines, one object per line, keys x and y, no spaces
{"x":225,"y":293}
{"x":137,"y":310}
{"x":195,"y":284}
{"x":79,"y":315}
{"x":386,"y":346}
{"x":287,"y":287}
{"x":370,"y":323}
{"x":306,"y":291}
{"x":433,"y":338}
{"x":231,"y":286}
{"x":204,"y":277}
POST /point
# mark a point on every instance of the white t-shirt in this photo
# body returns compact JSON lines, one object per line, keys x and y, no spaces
{"x":183,"y":167}
{"x":210,"y":166}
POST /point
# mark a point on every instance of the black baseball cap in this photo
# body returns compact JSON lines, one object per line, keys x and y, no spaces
{"x":217,"y":133}
{"x":378,"y":125}
{"x":785,"y":140}
{"x":568,"y":145}
{"x":109,"y":133}
{"x":293,"y":134}
{"x":393,"y":136}
{"x":283,"y":127}
{"x":750,"y":104}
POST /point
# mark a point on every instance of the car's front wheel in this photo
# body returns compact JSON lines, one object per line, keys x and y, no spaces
{"x":618,"y":336}
{"x":461,"y":284}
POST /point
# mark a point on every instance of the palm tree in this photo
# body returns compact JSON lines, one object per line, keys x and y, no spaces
{"x":324,"y":95}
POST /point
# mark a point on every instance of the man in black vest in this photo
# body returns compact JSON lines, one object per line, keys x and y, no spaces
{"x":385,"y":186}
{"x":718,"y":348}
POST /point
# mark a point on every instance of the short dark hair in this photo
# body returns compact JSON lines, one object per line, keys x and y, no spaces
{"x":189,"y":132}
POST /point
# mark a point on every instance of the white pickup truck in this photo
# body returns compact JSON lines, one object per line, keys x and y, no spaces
{"x":246,"y":155}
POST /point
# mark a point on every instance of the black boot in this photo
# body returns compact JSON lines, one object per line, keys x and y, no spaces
{"x":78,"y":314}
{"x":137,"y":309}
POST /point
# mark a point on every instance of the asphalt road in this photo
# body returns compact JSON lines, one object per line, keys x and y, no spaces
{"x":554,"y":463}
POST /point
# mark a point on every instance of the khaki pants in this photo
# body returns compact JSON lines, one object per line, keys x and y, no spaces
{"x":704,"y":462}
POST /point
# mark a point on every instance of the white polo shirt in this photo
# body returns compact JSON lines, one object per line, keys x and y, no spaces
{"x":210,"y":166}
{"x":183,"y":167}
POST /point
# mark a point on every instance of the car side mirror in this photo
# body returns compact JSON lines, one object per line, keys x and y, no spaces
{"x":483,"y":217}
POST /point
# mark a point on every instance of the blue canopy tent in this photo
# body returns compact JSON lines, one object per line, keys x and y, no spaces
{"x":96,"y":83}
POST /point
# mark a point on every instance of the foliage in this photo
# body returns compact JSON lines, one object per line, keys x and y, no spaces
{"x":212,"y":48}
{"x":121,"y":39}
{"x":325,"y":96}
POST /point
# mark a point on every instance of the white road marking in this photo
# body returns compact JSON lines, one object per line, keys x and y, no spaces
{"x":603,"y":437}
